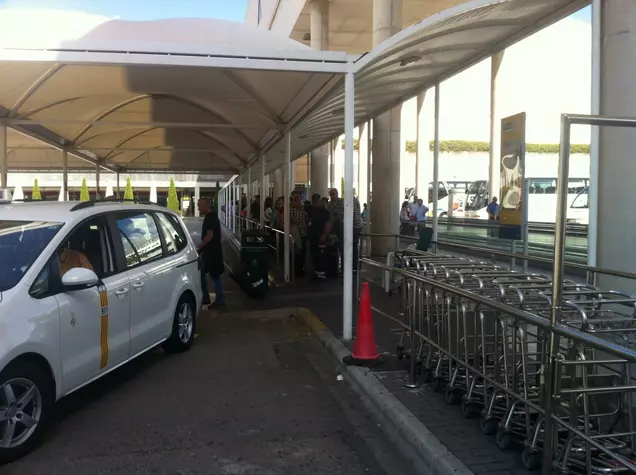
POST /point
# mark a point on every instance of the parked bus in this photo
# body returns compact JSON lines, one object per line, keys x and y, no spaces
{"x":444,"y":189}
{"x":541,"y":195}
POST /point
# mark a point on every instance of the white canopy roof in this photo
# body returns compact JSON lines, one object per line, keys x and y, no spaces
{"x":209,"y":95}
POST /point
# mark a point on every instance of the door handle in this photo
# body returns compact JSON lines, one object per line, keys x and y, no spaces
{"x":138,"y":285}
{"x":121,"y":292}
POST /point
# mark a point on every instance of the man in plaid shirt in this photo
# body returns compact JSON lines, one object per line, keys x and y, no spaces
{"x":336,"y":208}
{"x":298,"y":217}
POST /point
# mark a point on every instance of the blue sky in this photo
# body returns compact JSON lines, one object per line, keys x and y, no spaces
{"x":155,"y":9}
{"x":584,"y":15}
{"x":143,"y":9}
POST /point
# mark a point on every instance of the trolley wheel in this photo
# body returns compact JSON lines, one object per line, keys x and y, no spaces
{"x":437,"y":384}
{"x":488,"y":425}
{"x":468,"y":410}
{"x":530,"y":459}
{"x":452,"y":397}
{"x":427,"y":375}
{"x":504,"y":440}
{"x":399,"y":352}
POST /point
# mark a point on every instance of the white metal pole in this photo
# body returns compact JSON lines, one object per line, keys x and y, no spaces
{"x":197,"y":196}
{"x":249,"y":184}
{"x":309,"y":160}
{"x":592,"y":199}
{"x":4,"y":162}
{"x":369,"y":128}
{"x":359,"y":168}
{"x":263,"y":193}
{"x":286,"y":193}
{"x":97,"y":172}
{"x":234,"y":207}
{"x":421,"y":143}
{"x":334,"y":147}
{"x":526,"y":227}
{"x":65,"y":174}
{"x":118,"y":194}
{"x":436,"y":162}
{"x":347,"y":301}
{"x":495,"y":128}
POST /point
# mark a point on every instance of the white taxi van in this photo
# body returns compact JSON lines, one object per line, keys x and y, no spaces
{"x":85,"y":288}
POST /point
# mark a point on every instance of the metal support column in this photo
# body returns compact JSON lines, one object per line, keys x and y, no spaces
{"x":65,"y":175}
{"x":592,"y":199}
{"x":249,"y":191}
{"x":234,"y":210}
{"x":332,"y":165}
{"x":4,"y":162}
{"x":263,"y":193}
{"x":557,"y":288}
{"x":286,"y":192}
{"x":118,"y":193}
{"x":421,"y":145}
{"x":97,"y":171}
{"x":309,"y":162}
{"x":495,"y":128}
{"x":197,"y":196}
{"x":347,"y":301}
{"x":369,"y":127}
{"x":436,"y":163}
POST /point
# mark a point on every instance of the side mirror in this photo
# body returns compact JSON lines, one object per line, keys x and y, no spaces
{"x":79,"y":278}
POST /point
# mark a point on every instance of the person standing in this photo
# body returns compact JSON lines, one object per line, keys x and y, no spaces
{"x":413,"y":206}
{"x":298,"y":230}
{"x":211,"y":251}
{"x":336,"y":209}
{"x":358,"y":225}
{"x":318,"y":230}
{"x":493,"y":210}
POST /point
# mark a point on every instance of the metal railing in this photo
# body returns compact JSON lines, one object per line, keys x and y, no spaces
{"x":573,"y":229}
{"x":481,"y":332}
{"x":591,"y":272}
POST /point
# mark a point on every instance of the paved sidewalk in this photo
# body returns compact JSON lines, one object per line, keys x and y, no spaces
{"x":255,"y":395}
{"x":461,"y":436}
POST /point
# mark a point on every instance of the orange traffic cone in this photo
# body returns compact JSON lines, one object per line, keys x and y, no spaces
{"x":365,"y":351}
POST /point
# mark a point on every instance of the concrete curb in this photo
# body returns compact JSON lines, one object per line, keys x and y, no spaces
{"x":411,"y":437}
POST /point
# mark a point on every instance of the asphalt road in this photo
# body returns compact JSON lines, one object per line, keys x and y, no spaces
{"x":255,"y":395}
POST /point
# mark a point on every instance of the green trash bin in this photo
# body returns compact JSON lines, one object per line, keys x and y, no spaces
{"x":254,"y":276}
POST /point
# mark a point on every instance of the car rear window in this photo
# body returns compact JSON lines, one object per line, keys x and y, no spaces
{"x":21,"y":242}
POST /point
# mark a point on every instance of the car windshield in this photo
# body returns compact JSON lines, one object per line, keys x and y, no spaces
{"x":21,"y":242}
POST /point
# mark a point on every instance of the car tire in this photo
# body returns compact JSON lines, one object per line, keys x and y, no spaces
{"x":183,"y":327}
{"x":27,"y":393}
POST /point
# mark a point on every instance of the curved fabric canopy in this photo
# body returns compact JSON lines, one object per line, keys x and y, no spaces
{"x":426,"y":53}
{"x":179,"y":95}
{"x":210,"y":95}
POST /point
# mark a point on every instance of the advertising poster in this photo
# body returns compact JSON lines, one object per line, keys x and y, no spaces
{"x":513,"y":164}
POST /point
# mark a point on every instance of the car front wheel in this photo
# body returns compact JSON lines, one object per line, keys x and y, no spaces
{"x":26,"y":399}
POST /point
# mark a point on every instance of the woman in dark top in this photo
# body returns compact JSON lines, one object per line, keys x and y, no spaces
{"x":211,"y":251}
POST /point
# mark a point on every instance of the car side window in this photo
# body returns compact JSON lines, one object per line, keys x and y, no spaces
{"x":175,"y":240}
{"x":140,"y":238}
{"x":88,"y":246}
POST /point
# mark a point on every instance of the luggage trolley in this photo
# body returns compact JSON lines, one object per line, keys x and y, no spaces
{"x":466,"y":345}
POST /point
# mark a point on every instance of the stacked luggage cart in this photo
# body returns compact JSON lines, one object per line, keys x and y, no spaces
{"x":482,"y":333}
